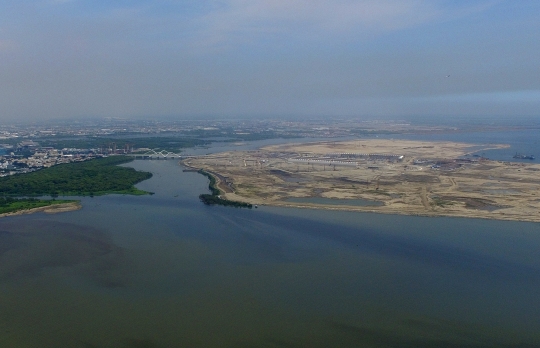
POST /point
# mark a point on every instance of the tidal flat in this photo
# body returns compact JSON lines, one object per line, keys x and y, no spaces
{"x":410,"y":177}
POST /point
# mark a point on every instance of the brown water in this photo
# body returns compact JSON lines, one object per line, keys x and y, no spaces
{"x":168,"y":271}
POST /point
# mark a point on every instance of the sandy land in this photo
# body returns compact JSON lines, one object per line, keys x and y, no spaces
{"x":51,"y":209}
{"x":411,"y":149}
{"x":432,"y":178}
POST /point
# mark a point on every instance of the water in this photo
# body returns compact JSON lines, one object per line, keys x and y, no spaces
{"x":520,"y":141}
{"x":224,"y":146}
{"x":524,"y":141}
{"x":168,"y":271}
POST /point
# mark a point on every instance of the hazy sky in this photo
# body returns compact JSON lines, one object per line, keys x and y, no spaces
{"x":88,"y":58}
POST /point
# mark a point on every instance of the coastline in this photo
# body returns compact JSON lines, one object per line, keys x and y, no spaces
{"x":433,"y":179}
{"x":389,"y":210}
{"x":50,"y":209}
{"x":408,"y":211}
{"x":465,"y":215}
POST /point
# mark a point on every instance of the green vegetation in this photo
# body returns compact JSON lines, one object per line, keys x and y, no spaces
{"x":437,"y":201}
{"x":10,"y":204}
{"x":214,"y":198}
{"x":94,"y":177}
{"x":172,"y":144}
{"x":212,"y":185}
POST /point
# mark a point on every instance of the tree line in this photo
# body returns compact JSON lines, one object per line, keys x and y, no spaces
{"x":88,"y":178}
{"x":214,"y":197}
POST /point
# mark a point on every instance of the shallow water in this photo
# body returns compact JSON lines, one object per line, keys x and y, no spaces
{"x":168,"y":271}
{"x":523,"y":141}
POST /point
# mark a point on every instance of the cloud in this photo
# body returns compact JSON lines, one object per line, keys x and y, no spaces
{"x":60,"y":1}
{"x":7,"y":45}
{"x":315,"y":19}
{"x":266,"y":57}
{"x":217,"y":24}
{"x":524,"y":96}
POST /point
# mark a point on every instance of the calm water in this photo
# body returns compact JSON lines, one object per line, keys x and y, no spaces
{"x":520,"y":141}
{"x":167,"y":271}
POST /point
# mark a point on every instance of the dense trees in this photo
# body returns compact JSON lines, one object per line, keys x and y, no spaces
{"x":94,"y":177}
{"x":172,"y":144}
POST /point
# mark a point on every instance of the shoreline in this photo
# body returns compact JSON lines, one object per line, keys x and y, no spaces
{"x":411,"y":211}
{"x":472,"y":215}
{"x":430,"y":178}
{"x":50,"y":209}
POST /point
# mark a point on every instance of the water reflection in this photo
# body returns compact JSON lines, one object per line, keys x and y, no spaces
{"x":168,"y":271}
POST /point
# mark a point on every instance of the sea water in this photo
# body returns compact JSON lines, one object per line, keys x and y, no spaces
{"x":167,"y":271}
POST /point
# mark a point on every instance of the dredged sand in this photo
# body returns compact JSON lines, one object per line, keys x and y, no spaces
{"x":430,"y":180}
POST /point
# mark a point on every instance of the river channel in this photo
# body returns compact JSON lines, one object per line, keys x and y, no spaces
{"x":167,"y":271}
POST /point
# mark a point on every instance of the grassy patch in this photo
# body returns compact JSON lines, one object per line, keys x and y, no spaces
{"x":436,"y":201}
{"x":11,"y":205}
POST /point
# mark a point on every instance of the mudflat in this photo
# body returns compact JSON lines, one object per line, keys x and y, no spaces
{"x":401,"y":176}
{"x":50,"y":209}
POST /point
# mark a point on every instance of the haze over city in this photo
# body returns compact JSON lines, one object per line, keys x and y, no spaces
{"x":144,"y":59}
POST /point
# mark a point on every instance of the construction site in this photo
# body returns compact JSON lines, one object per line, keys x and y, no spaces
{"x":385,"y":176}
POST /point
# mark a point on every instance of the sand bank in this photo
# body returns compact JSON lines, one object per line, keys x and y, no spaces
{"x":431,"y":179}
{"x":50,"y":209}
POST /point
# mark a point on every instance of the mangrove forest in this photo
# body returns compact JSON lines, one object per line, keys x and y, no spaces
{"x":215,"y":196}
{"x":94,"y":177}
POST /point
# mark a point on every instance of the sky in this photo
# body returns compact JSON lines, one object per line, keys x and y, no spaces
{"x":261,"y":58}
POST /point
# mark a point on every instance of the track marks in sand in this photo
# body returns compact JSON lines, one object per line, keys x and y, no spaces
{"x":423,"y":196}
{"x":453,"y":185}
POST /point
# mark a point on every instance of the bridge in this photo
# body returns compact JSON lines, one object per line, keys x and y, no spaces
{"x":159,"y":155}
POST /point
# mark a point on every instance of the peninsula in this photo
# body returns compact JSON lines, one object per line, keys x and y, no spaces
{"x":93,"y":177}
{"x":89,"y":178}
{"x":11,"y":206}
{"x":383,"y":176}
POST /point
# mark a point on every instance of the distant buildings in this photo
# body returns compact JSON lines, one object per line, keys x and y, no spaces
{"x":30,"y":157}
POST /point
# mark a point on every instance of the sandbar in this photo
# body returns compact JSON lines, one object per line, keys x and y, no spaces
{"x":50,"y":209}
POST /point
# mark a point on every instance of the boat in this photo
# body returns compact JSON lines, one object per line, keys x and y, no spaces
{"x":522,"y":156}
